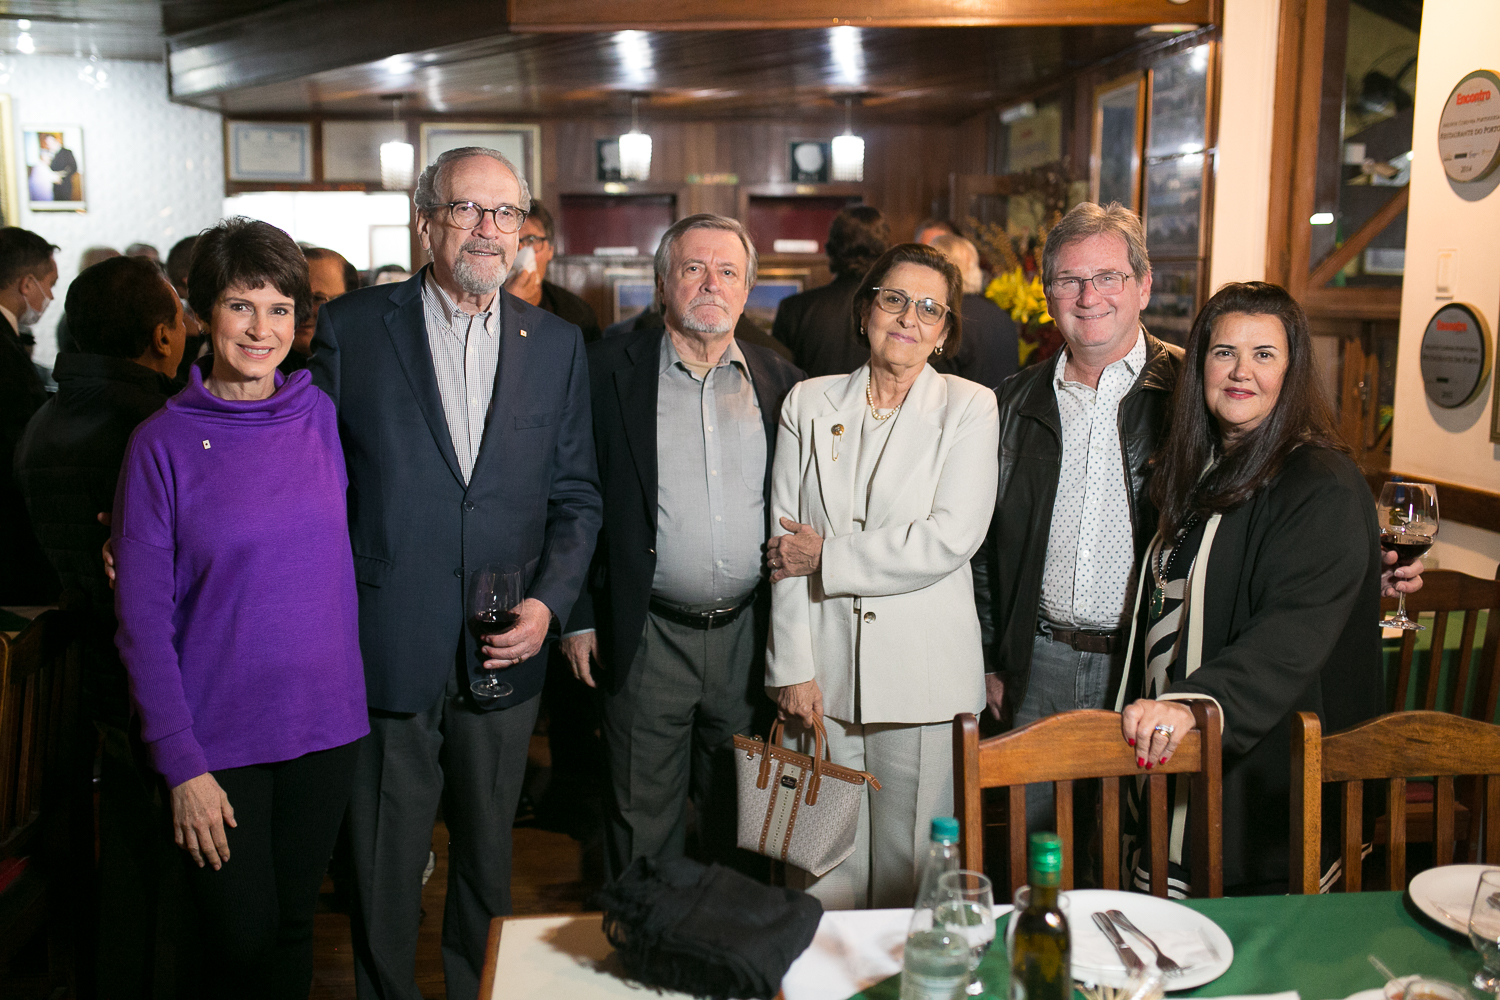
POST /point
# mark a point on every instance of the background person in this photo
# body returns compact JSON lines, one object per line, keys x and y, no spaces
{"x":818,"y":325}
{"x":885,"y":479}
{"x":231,"y":515}
{"x":990,"y":353}
{"x":179,"y":259}
{"x":328,"y":275}
{"x":538,"y":234}
{"x":928,"y":230}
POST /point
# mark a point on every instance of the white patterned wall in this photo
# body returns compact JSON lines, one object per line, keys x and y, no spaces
{"x":153,"y":170}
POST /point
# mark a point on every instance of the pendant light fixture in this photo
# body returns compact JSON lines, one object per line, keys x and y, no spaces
{"x":397,"y":158}
{"x":848,"y":150}
{"x":635,"y":148}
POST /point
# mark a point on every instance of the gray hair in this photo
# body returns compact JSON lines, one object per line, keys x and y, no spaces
{"x":1088,"y":219}
{"x":965,"y":257}
{"x":704,"y":220}
{"x":426,"y":197}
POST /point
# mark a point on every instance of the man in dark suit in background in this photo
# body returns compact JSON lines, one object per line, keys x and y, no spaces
{"x":990,"y":352}
{"x":818,"y":325}
{"x":464,"y":415}
{"x":685,"y":423}
{"x":531,"y":285}
{"x":27,"y":274}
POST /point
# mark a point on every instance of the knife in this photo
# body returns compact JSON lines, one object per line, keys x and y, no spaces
{"x":1133,"y":963}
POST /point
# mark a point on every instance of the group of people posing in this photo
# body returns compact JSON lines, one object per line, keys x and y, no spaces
{"x":707,"y":536}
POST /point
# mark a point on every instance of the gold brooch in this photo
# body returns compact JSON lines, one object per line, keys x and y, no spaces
{"x":838,"y":433}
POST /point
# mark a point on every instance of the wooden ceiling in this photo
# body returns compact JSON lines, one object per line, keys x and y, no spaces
{"x":895,"y":74}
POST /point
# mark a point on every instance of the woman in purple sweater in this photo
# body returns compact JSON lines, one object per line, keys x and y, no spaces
{"x":238,"y":615}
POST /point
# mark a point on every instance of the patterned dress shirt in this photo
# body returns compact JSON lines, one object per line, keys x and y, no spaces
{"x":465,"y":354}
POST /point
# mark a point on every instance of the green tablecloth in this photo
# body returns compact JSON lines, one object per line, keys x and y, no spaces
{"x":1313,"y":944}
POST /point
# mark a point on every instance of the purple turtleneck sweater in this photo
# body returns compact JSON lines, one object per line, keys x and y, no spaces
{"x":239,"y":620}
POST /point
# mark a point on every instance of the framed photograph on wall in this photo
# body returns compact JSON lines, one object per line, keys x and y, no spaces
{"x":809,"y":161}
{"x":770,"y":288}
{"x":607,"y":160}
{"x":10,"y":193}
{"x":631,"y":291}
{"x":1115,"y":151}
{"x":54,"y":167}
{"x":521,"y":144}
{"x":268,"y":152}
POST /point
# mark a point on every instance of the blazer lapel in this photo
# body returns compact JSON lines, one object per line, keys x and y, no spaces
{"x":918,"y":430}
{"x":407,"y":327}
{"x":510,"y":368}
{"x":846,"y":398}
{"x":636,"y":387}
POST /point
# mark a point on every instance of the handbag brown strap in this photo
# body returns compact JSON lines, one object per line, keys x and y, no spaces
{"x":820,"y":749}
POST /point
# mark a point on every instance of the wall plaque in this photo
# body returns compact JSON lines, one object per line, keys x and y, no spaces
{"x":1469,"y":127}
{"x":1455,"y":355}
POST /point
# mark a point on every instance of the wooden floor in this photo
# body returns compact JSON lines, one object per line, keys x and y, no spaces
{"x":550,"y":873}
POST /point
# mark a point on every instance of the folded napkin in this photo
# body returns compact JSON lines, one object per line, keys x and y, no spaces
{"x":1093,"y":952}
{"x":705,"y":930}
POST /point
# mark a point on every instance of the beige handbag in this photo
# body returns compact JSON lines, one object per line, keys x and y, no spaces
{"x":795,"y":808}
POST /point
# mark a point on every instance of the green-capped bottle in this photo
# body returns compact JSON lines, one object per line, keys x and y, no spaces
{"x":1041,"y":966}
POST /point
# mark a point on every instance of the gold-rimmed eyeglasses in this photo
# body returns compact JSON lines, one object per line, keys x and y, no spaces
{"x":1105,"y":283}
{"x":930,"y":312}
{"x":467,"y":215}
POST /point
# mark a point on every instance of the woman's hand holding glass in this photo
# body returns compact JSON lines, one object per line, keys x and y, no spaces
{"x":1155,"y":728}
{"x":797,"y":554}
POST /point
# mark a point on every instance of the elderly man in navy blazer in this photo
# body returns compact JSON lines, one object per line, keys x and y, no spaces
{"x":464,"y":415}
{"x":685,"y":424}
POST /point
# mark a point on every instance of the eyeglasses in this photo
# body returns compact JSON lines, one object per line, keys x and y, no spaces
{"x":1105,"y":283}
{"x":531,"y":241}
{"x":467,"y":215}
{"x":930,"y":312}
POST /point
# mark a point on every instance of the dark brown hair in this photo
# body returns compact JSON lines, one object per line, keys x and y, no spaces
{"x":923,"y":256}
{"x":250,"y":254}
{"x":114,"y":307}
{"x":22,"y":252}
{"x":1300,"y":416}
{"x":858,"y":236}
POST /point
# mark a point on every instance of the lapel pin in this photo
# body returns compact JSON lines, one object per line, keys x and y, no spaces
{"x":523,"y":333}
{"x":838,"y":433}
{"x":205,"y":444}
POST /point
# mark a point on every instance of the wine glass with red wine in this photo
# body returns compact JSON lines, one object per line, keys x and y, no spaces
{"x":1408,"y":517}
{"x":494,"y":592}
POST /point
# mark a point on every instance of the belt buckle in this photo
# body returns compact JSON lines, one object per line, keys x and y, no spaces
{"x":709,"y":617}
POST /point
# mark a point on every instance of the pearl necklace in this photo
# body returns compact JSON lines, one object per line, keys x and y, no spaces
{"x":870,"y":398}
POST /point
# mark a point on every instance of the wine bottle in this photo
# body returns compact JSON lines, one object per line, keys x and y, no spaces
{"x":1041,"y":966}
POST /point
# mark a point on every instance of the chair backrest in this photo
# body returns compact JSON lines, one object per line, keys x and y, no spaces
{"x":1445,"y":593}
{"x":38,"y":705}
{"x":1079,"y":746}
{"x":1392,"y":748}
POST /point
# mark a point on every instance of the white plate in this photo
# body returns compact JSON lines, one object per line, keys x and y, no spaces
{"x":1446,"y":894}
{"x":1194,"y":941}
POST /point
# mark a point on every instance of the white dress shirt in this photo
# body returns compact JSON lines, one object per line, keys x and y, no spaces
{"x":465,"y":355}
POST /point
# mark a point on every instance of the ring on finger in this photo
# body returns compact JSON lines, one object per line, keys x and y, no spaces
{"x":1165,"y":730}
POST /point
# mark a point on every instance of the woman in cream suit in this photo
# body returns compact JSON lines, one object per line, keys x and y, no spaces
{"x":885,"y":479}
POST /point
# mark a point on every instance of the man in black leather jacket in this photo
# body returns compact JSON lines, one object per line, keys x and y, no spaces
{"x":129,"y":326}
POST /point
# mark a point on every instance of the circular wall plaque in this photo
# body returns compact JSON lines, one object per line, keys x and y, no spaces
{"x":1455,"y":355}
{"x":1469,"y":128}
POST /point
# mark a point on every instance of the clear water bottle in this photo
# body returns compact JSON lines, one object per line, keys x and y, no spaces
{"x":935,"y":965}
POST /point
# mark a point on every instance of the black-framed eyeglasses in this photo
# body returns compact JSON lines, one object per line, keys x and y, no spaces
{"x":1105,"y":283}
{"x":930,"y":311}
{"x":468,"y":215}
{"x":532,"y":240}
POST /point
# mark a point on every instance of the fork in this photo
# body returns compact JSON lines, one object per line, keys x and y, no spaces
{"x":1168,"y":967}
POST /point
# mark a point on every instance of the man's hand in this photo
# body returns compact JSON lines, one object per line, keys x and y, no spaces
{"x":199,"y":811}
{"x":580,"y":649}
{"x":521,"y":641}
{"x":526,"y":285}
{"x":797,"y":554}
{"x":994,"y":695}
{"x":109,"y":552}
{"x":803,"y":702}
{"x":1402,"y":579}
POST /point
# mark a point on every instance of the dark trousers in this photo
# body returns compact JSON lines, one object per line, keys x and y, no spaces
{"x":669,"y":733}
{"x":474,"y":763}
{"x":258,"y":908}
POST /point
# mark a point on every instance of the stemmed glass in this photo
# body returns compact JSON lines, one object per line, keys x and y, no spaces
{"x":1408,"y":518}
{"x":966,"y":909}
{"x":494,"y":592}
{"x":1484,"y":930}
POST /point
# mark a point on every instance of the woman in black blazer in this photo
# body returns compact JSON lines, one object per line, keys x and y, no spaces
{"x":1261,"y":590}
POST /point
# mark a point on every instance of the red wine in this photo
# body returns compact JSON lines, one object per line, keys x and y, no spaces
{"x":492,"y":623}
{"x":1407,"y":547}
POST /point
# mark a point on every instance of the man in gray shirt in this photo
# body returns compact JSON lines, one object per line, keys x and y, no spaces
{"x":668,"y":628}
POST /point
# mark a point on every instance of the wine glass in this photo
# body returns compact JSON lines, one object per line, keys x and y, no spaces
{"x":966,"y":908}
{"x":494,"y":592}
{"x":1484,"y":930}
{"x":1408,"y":518}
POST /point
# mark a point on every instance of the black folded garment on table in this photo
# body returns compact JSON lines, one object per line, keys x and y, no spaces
{"x":706,"y":930}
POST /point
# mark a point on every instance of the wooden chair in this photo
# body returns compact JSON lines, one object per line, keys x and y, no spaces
{"x":1445,"y":593}
{"x":1083,"y":745}
{"x":1391,"y":748}
{"x":38,"y":712}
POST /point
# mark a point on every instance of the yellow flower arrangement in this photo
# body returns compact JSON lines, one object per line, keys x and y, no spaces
{"x":1023,"y":299}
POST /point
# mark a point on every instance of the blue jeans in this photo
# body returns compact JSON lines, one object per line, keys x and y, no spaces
{"x":1062,"y":679}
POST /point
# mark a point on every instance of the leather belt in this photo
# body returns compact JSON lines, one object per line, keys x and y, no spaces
{"x":704,"y":620}
{"x":1084,"y":640}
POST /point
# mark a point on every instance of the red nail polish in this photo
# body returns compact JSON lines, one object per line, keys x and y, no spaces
{"x":1163,"y":760}
{"x":1131,"y":742}
{"x":1148,"y":767}
{"x":1140,"y":762}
